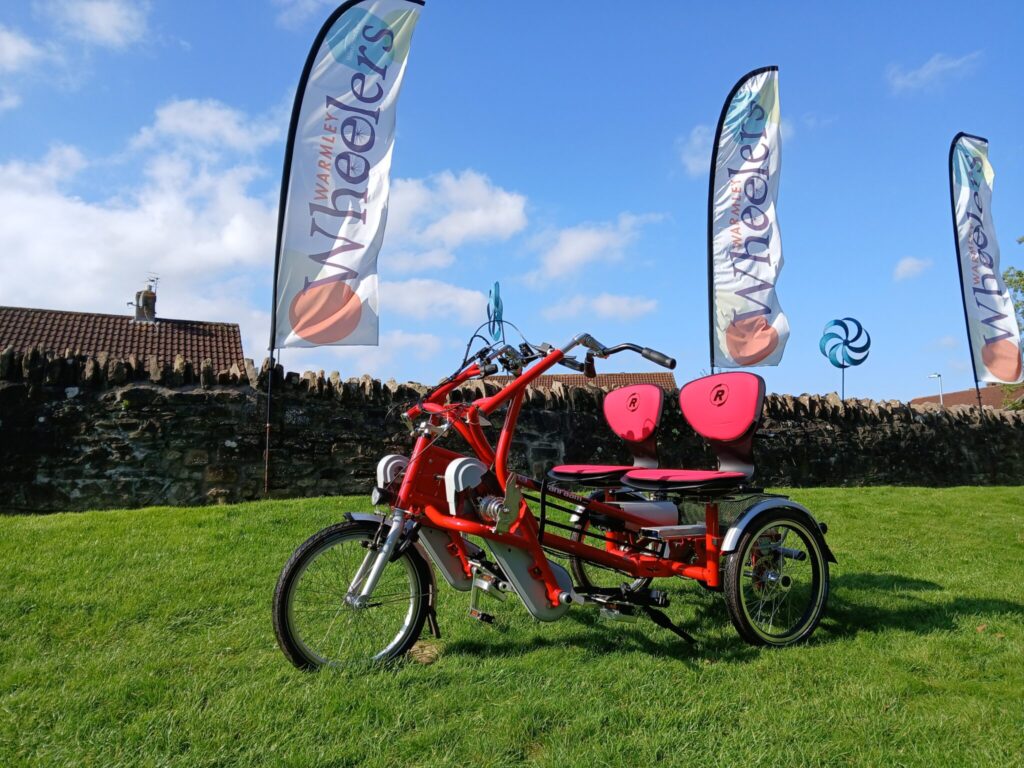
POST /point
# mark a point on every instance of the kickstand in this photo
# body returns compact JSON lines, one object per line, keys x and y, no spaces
{"x":664,"y":621}
{"x":435,"y":630}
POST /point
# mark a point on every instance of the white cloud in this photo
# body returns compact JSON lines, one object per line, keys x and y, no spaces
{"x":208,"y":123}
{"x":570,"y":249}
{"x":405,"y":262}
{"x":474,"y":210}
{"x":909,"y":267}
{"x":429,"y":219}
{"x":605,"y":305}
{"x":17,"y":52}
{"x":295,"y":12}
{"x":432,"y":299}
{"x":930,"y":73}
{"x":787,"y":128}
{"x":947,"y":342}
{"x":695,"y":150}
{"x":814,"y":121}
{"x":105,"y":23}
{"x":192,"y":221}
{"x":9,"y":100}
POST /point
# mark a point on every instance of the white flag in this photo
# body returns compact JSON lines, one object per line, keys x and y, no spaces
{"x":992,"y":331}
{"x":748,"y":327}
{"x":334,"y":194}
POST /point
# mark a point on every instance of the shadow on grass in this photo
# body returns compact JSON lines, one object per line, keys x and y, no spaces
{"x":597,"y":635}
{"x":914,"y":606}
{"x":908,"y":609}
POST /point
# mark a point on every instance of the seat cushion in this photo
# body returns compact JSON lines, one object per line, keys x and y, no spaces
{"x":583,"y":470}
{"x":599,"y":475}
{"x":680,"y":478}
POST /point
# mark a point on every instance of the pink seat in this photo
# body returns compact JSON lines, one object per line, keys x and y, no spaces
{"x":633,"y":414}
{"x":593,"y":469}
{"x":725,"y":409}
{"x":657,"y":479}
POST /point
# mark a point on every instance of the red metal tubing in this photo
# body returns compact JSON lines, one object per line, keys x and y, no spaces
{"x":505,"y":438}
{"x":490,"y":404}
{"x":712,"y":544}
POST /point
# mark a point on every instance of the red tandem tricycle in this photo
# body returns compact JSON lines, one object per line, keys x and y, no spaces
{"x":361,"y":590}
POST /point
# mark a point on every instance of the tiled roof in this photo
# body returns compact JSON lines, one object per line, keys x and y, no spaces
{"x":993,"y":396}
{"x":119,"y":335}
{"x":666,"y":381}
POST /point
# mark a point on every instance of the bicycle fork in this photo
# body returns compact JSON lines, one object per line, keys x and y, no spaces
{"x":370,"y":570}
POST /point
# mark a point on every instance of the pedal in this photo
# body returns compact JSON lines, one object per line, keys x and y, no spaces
{"x":488,"y":584}
{"x":483,"y":616}
{"x":669,"y":532}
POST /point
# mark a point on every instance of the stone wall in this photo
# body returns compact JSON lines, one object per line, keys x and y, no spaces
{"x":81,"y":432}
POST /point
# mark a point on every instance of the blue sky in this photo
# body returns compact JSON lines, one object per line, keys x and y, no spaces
{"x":562,"y":149}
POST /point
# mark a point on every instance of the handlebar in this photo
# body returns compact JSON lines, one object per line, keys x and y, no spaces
{"x":597,"y":349}
{"x":658,"y":358}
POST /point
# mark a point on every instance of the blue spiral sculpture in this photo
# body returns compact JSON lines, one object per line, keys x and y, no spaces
{"x":495,"y":309}
{"x":845,"y":342}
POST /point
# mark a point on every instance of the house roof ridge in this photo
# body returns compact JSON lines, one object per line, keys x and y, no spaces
{"x":110,"y":315}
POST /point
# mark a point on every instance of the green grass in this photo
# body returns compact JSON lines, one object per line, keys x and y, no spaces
{"x":138,"y":638}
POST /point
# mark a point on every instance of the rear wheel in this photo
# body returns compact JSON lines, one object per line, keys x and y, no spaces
{"x":776,"y":582}
{"x":317,"y":619}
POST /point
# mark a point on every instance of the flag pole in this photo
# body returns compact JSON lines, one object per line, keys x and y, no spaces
{"x":286,"y":171}
{"x":266,"y":448}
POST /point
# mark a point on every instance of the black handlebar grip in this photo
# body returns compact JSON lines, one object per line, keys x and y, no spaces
{"x":656,"y":357}
{"x":489,"y":369}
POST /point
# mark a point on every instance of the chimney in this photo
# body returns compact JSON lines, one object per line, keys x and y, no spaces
{"x":145,"y":305}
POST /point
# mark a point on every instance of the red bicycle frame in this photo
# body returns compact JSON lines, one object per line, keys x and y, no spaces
{"x":422,"y":494}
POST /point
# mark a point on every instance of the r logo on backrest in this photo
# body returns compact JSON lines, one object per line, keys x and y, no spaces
{"x":633,"y":403}
{"x":719,"y":394}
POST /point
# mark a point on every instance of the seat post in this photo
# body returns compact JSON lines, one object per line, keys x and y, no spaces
{"x":712,"y":543}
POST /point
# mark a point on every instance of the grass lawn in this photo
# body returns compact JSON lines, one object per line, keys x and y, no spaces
{"x":143,"y":637}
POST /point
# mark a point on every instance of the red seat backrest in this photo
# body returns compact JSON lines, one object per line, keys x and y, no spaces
{"x":725,"y":409}
{"x":633,"y":413}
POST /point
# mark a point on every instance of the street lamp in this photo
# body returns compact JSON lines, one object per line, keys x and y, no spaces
{"x":939,"y":377}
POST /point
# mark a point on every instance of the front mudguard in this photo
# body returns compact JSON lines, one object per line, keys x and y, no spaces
{"x":767,"y":506}
{"x":369,"y":517}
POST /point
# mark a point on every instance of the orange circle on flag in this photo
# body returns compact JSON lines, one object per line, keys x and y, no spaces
{"x":750,"y":340}
{"x":1002,"y":358}
{"x":325,"y":313}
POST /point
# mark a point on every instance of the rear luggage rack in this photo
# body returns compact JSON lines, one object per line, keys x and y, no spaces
{"x":667,"y":532}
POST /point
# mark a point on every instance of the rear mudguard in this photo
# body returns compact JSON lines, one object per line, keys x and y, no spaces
{"x":367,"y":517}
{"x":766,"y":506}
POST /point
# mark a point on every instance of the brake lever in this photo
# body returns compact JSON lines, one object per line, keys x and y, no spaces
{"x":596,"y":347}
{"x":588,"y":366}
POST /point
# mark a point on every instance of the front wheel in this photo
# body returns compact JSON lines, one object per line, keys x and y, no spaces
{"x":776,"y":582}
{"x":318,"y":618}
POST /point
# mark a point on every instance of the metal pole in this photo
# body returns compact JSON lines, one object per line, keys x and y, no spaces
{"x":266,"y":447}
{"x":941,"y":403}
{"x":843,"y":369}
